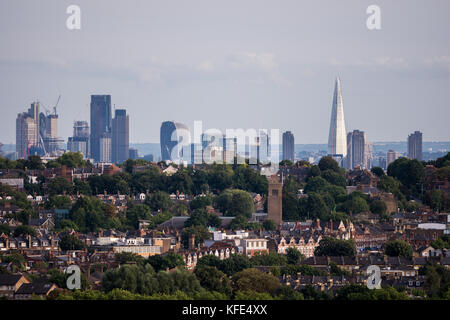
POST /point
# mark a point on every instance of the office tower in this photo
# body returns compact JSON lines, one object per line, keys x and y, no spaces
{"x":229,"y":149}
{"x":48,"y":133}
{"x":171,"y":137}
{"x":356,"y":143}
{"x":264,"y":147}
{"x":212,"y":146}
{"x":27,"y":131}
{"x":415,"y":145}
{"x":100,"y":122}
{"x":274,"y":199}
{"x":80,"y":140}
{"x":368,"y":155}
{"x":391,"y":156}
{"x":382,"y":162}
{"x":288,"y":146}
{"x":120,"y":136}
{"x":105,"y":142}
{"x":337,"y":142}
{"x":133,"y":153}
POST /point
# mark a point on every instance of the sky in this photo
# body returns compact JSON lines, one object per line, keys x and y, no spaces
{"x":231,"y":64}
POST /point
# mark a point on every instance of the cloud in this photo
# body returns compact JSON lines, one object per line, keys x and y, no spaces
{"x":439,"y":61}
{"x":259,"y":64}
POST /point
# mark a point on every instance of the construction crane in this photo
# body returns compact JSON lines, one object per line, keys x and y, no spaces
{"x":54,"y":108}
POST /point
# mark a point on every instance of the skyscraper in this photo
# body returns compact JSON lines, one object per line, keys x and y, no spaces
{"x":391,"y":156}
{"x":171,"y":136}
{"x":120,"y":136}
{"x":337,"y":142}
{"x":80,"y":140}
{"x":100,"y":122}
{"x":356,"y":143}
{"x":105,"y":144}
{"x":27,"y":131}
{"x":288,"y":146}
{"x":415,"y":145}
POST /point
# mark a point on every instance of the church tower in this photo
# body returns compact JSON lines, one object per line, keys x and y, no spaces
{"x":275,"y":195}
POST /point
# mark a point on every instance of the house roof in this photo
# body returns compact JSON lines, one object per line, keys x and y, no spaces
{"x":9,"y":279}
{"x":37,"y":287}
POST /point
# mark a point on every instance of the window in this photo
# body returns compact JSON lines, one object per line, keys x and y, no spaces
{"x":275,"y":192}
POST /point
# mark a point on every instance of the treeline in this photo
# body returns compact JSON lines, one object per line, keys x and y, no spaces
{"x":213,"y":279}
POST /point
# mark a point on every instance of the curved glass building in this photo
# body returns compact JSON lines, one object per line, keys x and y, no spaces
{"x":171,"y":136}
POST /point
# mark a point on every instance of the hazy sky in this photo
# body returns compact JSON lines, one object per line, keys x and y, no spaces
{"x":231,"y":64}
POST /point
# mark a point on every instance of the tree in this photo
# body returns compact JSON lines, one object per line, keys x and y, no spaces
{"x":335,"y":247}
{"x":4,"y":228}
{"x":293,"y":256}
{"x":316,"y":206}
{"x":168,"y":261}
{"x":328,"y":163}
{"x":126,"y":257}
{"x":399,"y":248}
{"x":71,"y":242}
{"x":200,"y":233}
{"x":58,"y":202}
{"x":212,"y":279}
{"x":443,"y":242}
{"x":201,"y":202}
{"x":378,"y":207}
{"x":269,"y":259}
{"x":316,"y":184}
{"x":378,"y":171}
{"x":235,"y":263}
{"x":255,"y":280}
{"x":220,"y":177}
{"x":410,"y":173}
{"x":72,"y":160}
{"x":356,"y":204}
{"x":269,"y":225}
{"x":59,"y":185}
{"x":233,"y":202}
{"x":201,"y":217}
{"x":160,"y":201}
{"x":24,"y":231}
{"x":137,"y":212}
{"x":34,"y":163}
{"x":334,"y":178}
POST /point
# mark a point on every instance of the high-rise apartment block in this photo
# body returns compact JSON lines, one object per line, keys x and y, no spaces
{"x":356,"y":143}
{"x":288,"y":146}
{"x":415,"y":145}
{"x":391,"y":156}
{"x":105,"y":144}
{"x":27,"y":131}
{"x":120,"y":136}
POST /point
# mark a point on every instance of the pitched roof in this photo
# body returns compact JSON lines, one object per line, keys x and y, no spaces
{"x":37,"y":287}
{"x":9,"y":279}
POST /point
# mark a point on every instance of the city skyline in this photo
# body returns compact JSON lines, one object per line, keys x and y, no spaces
{"x":248,"y":69}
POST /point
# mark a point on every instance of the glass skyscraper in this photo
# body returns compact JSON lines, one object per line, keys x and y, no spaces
{"x":337,"y":139}
{"x":171,"y":136}
{"x":120,"y":136}
{"x":100,"y":122}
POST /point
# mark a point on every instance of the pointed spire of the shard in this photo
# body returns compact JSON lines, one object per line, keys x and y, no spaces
{"x":337,"y":140}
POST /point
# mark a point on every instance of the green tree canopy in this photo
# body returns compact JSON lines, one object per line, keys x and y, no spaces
{"x":399,"y":248}
{"x":335,"y":247}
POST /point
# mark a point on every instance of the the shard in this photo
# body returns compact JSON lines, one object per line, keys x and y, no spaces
{"x":337,"y":140}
